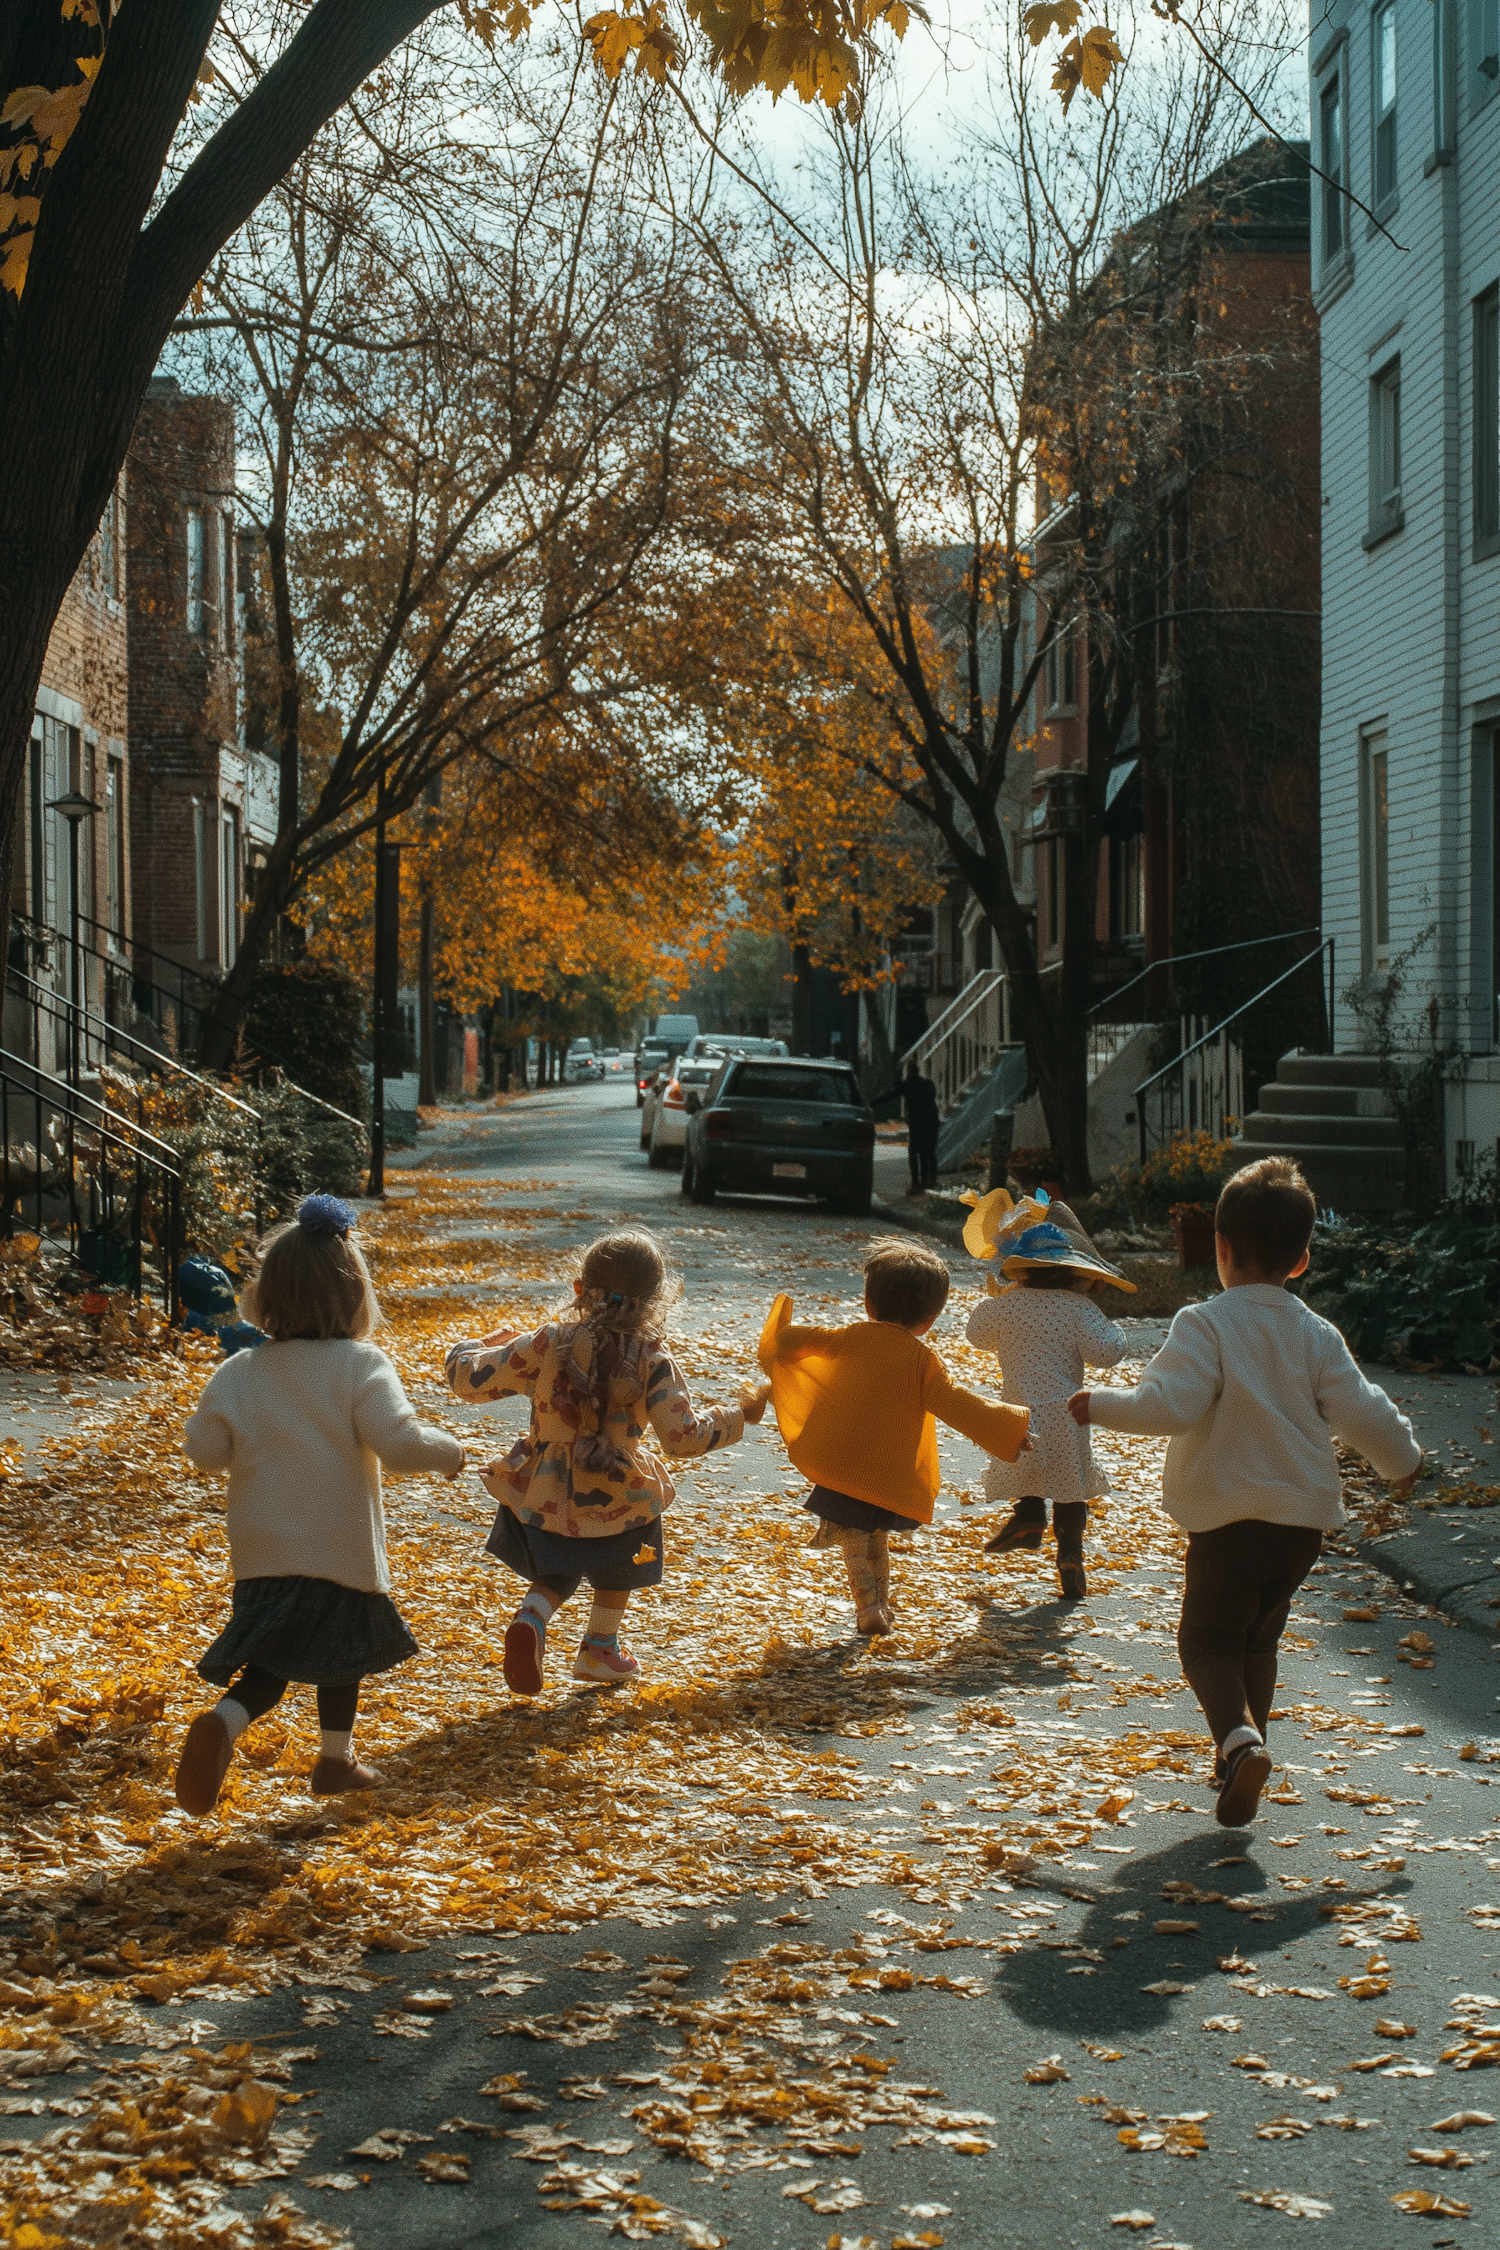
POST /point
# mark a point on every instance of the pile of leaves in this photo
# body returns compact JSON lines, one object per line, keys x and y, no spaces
{"x":1415,"y":1292}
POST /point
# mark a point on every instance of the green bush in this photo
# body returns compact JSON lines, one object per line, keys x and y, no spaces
{"x":306,"y":1016}
{"x":1418,"y":1291}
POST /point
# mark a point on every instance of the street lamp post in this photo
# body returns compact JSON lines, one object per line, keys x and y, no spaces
{"x":75,"y":808}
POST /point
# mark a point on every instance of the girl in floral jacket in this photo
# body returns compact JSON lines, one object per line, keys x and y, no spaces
{"x":582,"y":1494}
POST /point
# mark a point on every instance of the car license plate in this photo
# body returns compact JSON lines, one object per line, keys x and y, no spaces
{"x":789,"y":1171}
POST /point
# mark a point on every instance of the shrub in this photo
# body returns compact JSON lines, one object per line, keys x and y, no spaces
{"x":1419,"y":1291}
{"x":306,"y":1017}
{"x":1190,"y":1168}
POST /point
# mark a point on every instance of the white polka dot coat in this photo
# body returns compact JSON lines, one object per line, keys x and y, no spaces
{"x":1044,"y":1339}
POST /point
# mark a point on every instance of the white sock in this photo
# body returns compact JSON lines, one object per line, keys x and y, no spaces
{"x":337,"y":1742}
{"x":232,"y":1716}
{"x":1237,"y":1738}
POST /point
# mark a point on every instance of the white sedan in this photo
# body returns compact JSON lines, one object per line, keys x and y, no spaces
{"x":664,"y":1118}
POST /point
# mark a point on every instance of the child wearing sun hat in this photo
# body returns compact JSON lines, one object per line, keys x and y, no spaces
{"x":1044,"y":1328}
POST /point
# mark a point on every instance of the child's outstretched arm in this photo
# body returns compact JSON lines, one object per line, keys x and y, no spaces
{"x":1173,"y":1395}
{"x":999,"y":1429}
{"x":681,"y":1430}
{"x":1366,"y":1417}
{"x":1104,"y":1343}
{"x":499,"y":1367}
{"x":386,"y":1421}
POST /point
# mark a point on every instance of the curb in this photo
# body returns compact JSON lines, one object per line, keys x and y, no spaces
{"x":1422,"y":1561}
{"x":917,"y":1222}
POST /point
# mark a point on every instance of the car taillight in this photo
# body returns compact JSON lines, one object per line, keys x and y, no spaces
{"x":644,"y":1085}
{"x":864,"y":1135}
{"x":717,"y":1123}
{"x":673,"y":1096}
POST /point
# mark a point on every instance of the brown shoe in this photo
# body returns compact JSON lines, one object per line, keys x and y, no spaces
{"x":334,"y":1777}
{"x":204,"y":1762}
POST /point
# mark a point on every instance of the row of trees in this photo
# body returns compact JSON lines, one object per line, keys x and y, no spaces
{"x":651,"y":558}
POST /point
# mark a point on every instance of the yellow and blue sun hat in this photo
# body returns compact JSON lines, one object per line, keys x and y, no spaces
{"x":1015,"y":1234}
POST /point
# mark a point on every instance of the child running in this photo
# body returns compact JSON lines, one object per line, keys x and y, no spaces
{"x":1044,"y":1329}
{"x":302,"y":1425}
{"x":857,"y":1408}
{"x":581,"y":1496}
{"x":1250,"y":1388}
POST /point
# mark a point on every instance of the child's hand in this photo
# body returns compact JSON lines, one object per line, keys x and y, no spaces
{"x":1404,"y":1488}
{"x":463,"y":1463}
{"x":754,"y":1399}
{"x":1027,"y":1445}
{"x":1078,"y":1407}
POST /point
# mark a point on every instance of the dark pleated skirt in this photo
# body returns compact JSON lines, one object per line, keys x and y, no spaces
{"x":854,"y":1515}
{"x":609,"y":1565}
{"x":308,"y":1629}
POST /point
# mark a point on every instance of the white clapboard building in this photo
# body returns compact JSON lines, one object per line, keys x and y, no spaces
{"x":1406,"y":248}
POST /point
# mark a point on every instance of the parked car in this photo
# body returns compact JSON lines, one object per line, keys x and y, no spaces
{"x":731,"y":1043}
{"x":668,"y":1108}
{"x":651,"y":1056}
{"x":780,"y":1127}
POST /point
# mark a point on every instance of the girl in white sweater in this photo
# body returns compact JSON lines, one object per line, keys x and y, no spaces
{"x":302,"y":1424}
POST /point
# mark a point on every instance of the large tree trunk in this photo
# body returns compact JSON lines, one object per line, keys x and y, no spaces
{"x":102,"y":289}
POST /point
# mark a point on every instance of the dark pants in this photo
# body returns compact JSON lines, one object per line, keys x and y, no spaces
{"x":258,"y":1690}
{"x":1237,"y":1590}
{"x":921,"y":1154}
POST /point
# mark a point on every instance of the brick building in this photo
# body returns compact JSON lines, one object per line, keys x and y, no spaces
{"x":203,"y":804}
{"x":79,"y":743}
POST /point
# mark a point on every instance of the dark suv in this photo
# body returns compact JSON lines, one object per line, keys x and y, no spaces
{"x":781,"y":1128}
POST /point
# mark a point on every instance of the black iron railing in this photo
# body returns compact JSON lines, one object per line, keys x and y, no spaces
{"x":111,"y":1188}
{"x":1202,"y":1088}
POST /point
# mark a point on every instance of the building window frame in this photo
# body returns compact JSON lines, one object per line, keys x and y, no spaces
{"x":114,"y":846}
{"x":1386,"y":511}
{"x":1375,"y":848}
{"x":1060,"y":674}
{"x":229,"y":884}
{"x":1385,"y":147}
{"x":1333,"y":161}
{"x":1483,"y":53}
{"x":1484,"y":421}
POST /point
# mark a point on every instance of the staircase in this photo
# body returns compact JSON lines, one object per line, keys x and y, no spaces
{"x":1331,"y":1113}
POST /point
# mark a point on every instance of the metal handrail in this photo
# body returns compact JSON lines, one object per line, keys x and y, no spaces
{"x":1221,"y":1030}
{"x":1207,"y":952}
{"x":61,"y":1007}
{"x":962,"y":1004}
{"x":106,"y":1131}
{"x":109,"y":1121}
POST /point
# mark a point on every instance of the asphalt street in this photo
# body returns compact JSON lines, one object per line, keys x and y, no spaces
{"x":1177,"y":1997}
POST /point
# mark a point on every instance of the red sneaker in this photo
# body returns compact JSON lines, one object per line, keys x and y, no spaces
{"x":525,"y":1649}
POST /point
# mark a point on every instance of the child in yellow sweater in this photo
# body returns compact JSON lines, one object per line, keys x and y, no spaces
{"x":857,"y":1408}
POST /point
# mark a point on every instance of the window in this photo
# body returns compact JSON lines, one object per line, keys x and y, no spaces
{"x":1383,"y":29}
{"x":229,"y":886}
{"x":1385,"y":453}
{"x":1127,"y":886}
{"x":1376,"y":850}
{"x":203,"y":871}
{"x":1054,"y":893}
{"x":1487,"y":423}
{"x":109,"y":547}
{"x":1060,"y":672}
{"x":195,"y":574}
{"x":1484,"y":50}
{"x":114,"y":845}
{"x":1331,"y":161}
{"x":764,"y":1082}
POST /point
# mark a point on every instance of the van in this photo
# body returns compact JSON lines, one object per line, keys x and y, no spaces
{"x":676,"y":1031}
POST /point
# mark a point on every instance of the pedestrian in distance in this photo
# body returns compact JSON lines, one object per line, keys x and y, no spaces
{"x":581,"y":1495}
{"x":1251,"y":1388}
{"x":919,"y":1106}
{"x":302,"y":1424}
{"x":858,"y":1406}
{"x":1044,"y":1328}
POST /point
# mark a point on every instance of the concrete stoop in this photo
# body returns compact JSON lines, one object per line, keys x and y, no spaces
{"x":1333,"y":1116}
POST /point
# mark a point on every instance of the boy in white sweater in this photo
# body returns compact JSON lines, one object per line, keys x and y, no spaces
{"x":1251,"y":1388}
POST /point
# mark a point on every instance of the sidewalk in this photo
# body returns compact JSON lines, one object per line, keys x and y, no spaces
{"x":1446,"y":1550}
